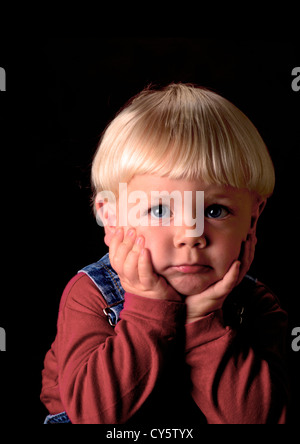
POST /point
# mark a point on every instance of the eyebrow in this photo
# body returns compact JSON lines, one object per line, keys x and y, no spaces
{"x":220,"y":196}
{"x":217,"y":195}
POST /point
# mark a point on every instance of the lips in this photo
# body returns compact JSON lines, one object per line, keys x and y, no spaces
{"x":192,"y":268}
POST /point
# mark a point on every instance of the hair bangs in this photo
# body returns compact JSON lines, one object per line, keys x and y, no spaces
{"x":183,"y":132}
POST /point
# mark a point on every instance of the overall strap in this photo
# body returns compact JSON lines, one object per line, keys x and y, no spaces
{"x":108,"y":282}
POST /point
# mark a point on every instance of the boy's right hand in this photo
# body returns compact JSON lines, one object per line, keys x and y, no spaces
{"x":132,"y":262}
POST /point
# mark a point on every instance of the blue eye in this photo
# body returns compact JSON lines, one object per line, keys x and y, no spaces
{"x":216,"y":212}
{"x":160,"y":211}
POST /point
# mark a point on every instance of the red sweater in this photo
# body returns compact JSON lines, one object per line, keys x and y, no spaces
{"x":152,"y":362}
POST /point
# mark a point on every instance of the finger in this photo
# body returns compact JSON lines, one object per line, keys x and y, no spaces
{"x":247,"y":254}
{"x":123,"y":249}
{"x":114,"y":244}
{"x":231,"y":276}
{"x":146,"y":272}
{"x":226,"y":285}
{"x":250,"y":245}
{"x":130,"y":267}
{"x":138,"y":244}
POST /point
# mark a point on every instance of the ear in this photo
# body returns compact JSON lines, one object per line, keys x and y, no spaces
{"x":257,"y":209}
{"x":106,"y":217}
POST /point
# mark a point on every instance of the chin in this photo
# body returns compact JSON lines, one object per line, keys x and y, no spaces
{"x":193,"y":286}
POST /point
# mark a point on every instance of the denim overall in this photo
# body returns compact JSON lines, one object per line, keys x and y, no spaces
{"x":108,"y":283}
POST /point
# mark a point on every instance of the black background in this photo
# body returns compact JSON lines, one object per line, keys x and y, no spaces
{"x":61,"y":93}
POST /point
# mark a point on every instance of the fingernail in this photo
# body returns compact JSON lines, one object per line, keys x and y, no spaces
{"x":139,"y":240}
{"x":130,"y":233}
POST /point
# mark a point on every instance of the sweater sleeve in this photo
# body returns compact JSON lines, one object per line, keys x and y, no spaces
{"x":106,"y":374}
{"x":240,"y":377}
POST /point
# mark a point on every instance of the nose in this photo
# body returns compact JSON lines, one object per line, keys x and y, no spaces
{"x":181,"y":240}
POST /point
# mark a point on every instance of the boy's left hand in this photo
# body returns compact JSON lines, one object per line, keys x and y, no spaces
{"x":213,"y":297}
{"x":247,"y":255}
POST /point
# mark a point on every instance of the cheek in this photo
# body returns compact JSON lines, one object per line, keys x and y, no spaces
{"x":157,"y":242}
{"x":227,"y":250}
{"x":154,"y":236}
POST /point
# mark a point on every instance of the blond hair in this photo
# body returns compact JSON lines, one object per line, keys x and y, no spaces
{"x":183,"y":132}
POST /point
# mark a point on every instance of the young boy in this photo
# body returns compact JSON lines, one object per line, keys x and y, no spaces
{"x":167,"y":328}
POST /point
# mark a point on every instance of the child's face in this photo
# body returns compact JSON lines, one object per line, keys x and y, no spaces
{"x":191,"y":264}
